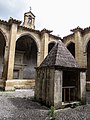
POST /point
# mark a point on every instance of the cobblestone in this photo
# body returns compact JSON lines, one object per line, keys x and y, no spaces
{"x":19,"y":105}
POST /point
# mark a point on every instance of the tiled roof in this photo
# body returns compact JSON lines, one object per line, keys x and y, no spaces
{"x":60,"y":56}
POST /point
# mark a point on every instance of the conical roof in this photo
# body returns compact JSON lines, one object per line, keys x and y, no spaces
{"x":60,"y":56}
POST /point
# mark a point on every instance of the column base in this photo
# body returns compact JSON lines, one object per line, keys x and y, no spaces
{"x":19,"y":84}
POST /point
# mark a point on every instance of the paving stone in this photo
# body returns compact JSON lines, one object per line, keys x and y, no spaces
{"x":19,"y":105}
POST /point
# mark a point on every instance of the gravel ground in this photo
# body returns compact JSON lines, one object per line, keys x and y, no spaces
{"x":19,"y":105}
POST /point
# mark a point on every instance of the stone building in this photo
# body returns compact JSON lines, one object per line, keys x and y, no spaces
{"x":21,"y":49}
{"x":78,"y":44}
{"x":59,"y":79}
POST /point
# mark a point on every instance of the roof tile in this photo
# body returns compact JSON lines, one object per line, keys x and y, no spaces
{"x":60,"y":56}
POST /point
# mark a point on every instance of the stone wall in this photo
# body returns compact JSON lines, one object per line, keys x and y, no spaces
{"x":48,"y":87}
{"x":44,"y":87}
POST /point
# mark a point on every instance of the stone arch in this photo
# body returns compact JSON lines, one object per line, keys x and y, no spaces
{"x":71,"y":47}
{"x":87,"y":50}
{"x":85,"y":45}
{"x":68,"y":42}
{"x":33,"y":37}
{"x":51,"y":45}
{"x":3,"y":42}
{"x":3,"y":33}
{"x":25,"y":57}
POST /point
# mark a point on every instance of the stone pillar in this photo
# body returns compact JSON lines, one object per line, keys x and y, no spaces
{"x":58,"y":89}
{"x":51,"y":87}
{"x":46,"y":37}
{"x":47,"y":86}
{"x":38,"y":85}
{"x":33,"y":23}
{"x":44,"y":43}
{"x":78,"y":45}
{"x":85,"y":59}
{"x":36,"y":94}
{"x":44,"y":86}
{"x":83,"y":87}
{"x":5,"y":66}
{"x":38,"y":59}
{"x":13,"y":32}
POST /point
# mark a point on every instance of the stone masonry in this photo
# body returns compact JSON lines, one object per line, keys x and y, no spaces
{"x":24,"y":38}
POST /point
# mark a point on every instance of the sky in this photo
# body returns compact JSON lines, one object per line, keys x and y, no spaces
{"x":58,"y":15}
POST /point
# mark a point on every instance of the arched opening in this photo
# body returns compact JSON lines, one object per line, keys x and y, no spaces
{"x":50,"y":46}
{"x":88,"y":61}
{"x":71,"y":48}
{"x":25,"y":58}
{"x":2,"y":50}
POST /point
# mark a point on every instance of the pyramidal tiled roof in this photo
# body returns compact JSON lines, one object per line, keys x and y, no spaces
{"x":60,"y":56}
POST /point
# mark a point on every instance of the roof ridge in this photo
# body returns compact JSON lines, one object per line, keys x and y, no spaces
{"x":56,"y":52}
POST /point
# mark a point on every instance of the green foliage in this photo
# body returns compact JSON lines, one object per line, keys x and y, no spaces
{"x":51,"y":113}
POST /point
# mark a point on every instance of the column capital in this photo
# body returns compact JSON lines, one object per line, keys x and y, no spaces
{"x":77,"y":29}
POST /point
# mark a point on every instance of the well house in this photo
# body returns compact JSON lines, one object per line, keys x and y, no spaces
{"x":59,"y":79}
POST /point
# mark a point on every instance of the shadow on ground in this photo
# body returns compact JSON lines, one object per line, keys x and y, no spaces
{"x":27,"y":103}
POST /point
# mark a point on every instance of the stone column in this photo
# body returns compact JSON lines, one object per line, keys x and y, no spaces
{"x":13,"y":32}
{"x":38,"y":85}
{"x":44,"y":86}
{"x":5,"y":66}
{"x":37,"y":77}
{"x":46,"y":37}
{"x":33,"y":23}
{"x":85,"y":59}
{"x":83,"y":87}
{"x":58,"y":89}
{"x":38,"y":59}
{"x":51,"y":87}
{"x":44,"y":43}
{"x":78,"y":45}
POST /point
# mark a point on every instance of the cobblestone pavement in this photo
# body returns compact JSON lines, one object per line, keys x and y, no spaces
{"x":19,"y":105}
